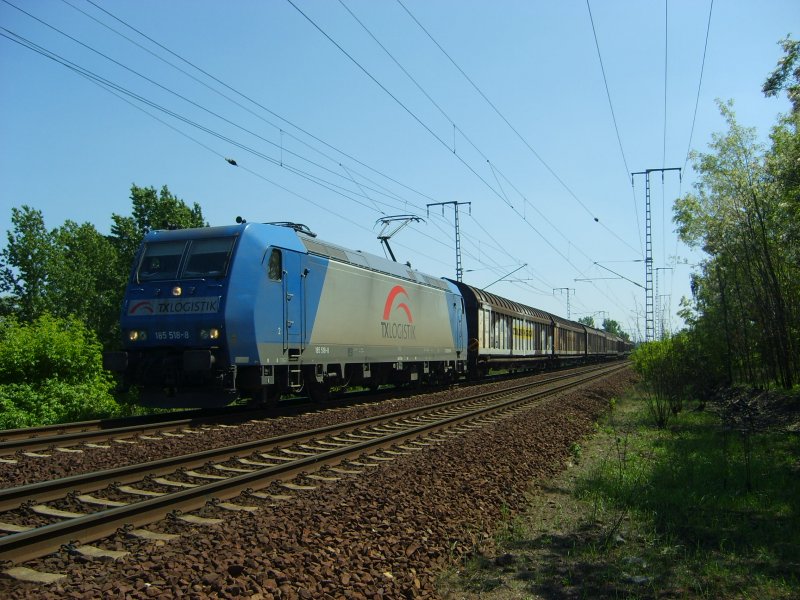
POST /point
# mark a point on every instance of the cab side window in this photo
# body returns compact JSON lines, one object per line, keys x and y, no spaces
{"x":275,"y":268}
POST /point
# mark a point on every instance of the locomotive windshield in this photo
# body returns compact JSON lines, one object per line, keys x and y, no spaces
{"x":208,"y":258}
{"x":161,"y":261}
{"x":195,"y":259}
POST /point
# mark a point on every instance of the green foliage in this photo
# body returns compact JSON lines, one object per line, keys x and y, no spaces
{"x":74,"y":270}
{"x":150,"y":210}
{"x":744,"y":315}
{"x":49,"y":347}
{"x":54,"y":401}
{"x":659,"y":365}
{"x":787,"y":75}
{"x":721,"y":506}
{"x":27,"y":260}
{"x":51,"y":372}
{"x":674,"y":370}
{"x":613,"y":327}
{"x":57,"y":272}
{"x":61,"y":291}
{"x":743,"y":214}
{"x":587,"y":320}
{"x":91,"y":288}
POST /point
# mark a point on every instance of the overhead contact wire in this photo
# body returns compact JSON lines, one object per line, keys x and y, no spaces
{"x":614,"y":119}
{"x":393,"y":97}
{"x":259,"y":105}
{"x":516,"y":132}
{"x":699,"y":84}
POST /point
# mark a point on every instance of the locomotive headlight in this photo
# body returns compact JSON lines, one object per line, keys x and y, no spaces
{"x":177,"y":291}
{"x":137,"y":335}
{"x":209,"y":334}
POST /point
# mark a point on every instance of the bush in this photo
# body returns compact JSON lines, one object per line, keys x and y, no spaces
{"x":663,"y":369}
{"x":51,"y":372}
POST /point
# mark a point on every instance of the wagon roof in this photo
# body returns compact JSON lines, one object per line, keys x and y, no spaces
{"x":507,"y":305}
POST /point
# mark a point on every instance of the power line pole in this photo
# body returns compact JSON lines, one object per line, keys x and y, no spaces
{"x":649,"y":321}
{"x":459,"y":269}
{"x":567,"y":290}
{"x":659,"y":306}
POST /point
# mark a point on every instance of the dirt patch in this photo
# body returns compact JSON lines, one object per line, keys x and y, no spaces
{"x":758,"y":410}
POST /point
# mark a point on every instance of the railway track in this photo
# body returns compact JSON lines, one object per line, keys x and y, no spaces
{"x":136,"y":495}
{"x":85,"y":435}
{"x":69,"y":437}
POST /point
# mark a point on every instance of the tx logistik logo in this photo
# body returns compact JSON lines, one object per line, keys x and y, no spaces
{"x":174,"y":306}
{"x":397,"y":330}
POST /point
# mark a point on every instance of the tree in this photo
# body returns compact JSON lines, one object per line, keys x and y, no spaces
{"x":587,"y":320}
{"x":747,"y":293}
{"x":67,"y":271}
{"x":90,"y":281}
{"x":75,"y":271}
{"x":787,"y":75}
{"x":26,"y":262}
{"x":151,"y":210}
{"x":614,"y":328}
{"x":51,"y":372}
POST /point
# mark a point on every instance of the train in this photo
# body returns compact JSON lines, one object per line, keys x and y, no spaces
{"x":256,"y":311}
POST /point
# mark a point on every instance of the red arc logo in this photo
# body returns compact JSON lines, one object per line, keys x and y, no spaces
{"x":390,"y":299}
{"x":144,"y":306}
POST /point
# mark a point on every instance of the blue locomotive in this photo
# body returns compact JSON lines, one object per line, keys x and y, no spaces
{"x":253,"y":311}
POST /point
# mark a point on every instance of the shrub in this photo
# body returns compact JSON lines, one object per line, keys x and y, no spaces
{"x":662,"y":367}
{"x":51,"y":372}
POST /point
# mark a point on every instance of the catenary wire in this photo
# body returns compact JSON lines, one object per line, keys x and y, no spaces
{"x":494,"y":169}
{"x":111,"y":85}
{"x":393,"y":97}
{"x":235,"y":143}
{"x":180,"y":96}
{"x":120,"y":93}
{"x":442,"y":142}
{"x":348,"y":171}
{"x":337,"y":150}
{"x":515,"y":130}
{"x":614,"y":119}
{"x":264,"y":108}
{"x":699,"y":84}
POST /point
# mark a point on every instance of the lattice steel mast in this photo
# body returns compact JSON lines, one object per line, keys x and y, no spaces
{"x":649,"y":319}
{"x":459,"y":269}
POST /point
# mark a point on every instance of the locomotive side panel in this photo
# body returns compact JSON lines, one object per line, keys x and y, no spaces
{"x":374,"y":317}
{"x":264,"y":283}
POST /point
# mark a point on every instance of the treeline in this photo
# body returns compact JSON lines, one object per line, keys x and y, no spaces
{"x":744,"y":213}
{"x":61,"y":292}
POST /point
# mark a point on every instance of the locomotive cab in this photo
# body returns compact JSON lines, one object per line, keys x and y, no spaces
{"x":172,"y":320}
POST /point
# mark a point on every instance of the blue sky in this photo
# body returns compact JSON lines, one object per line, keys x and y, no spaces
{"x":380,"y":147}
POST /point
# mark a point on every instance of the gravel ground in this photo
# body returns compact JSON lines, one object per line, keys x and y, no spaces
{"x":385,"y":533}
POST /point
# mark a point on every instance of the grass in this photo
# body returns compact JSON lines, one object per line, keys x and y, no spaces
{"x":692,"y":511}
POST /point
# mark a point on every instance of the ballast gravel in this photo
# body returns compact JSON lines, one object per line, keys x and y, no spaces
{"x":384,"y":533}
